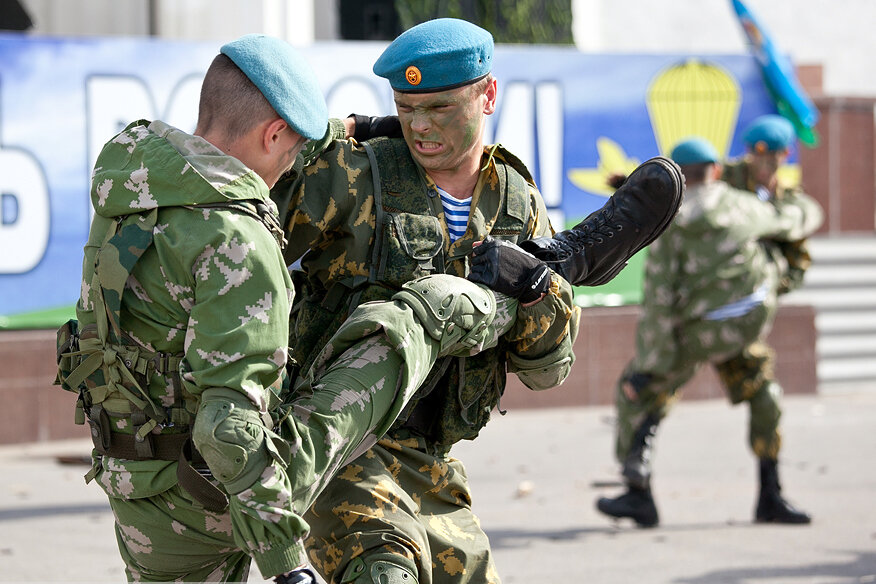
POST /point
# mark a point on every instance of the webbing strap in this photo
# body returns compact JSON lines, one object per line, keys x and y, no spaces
{"x":206,"y":493}
{"x":379,"y":213}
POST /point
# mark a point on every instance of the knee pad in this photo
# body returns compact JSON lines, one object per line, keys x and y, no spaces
{"x":230,"y":435}
{"x":378,"y":571}
{"x":453,"y":311}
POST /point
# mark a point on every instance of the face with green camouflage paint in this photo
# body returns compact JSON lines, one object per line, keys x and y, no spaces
{"x":444,"y":130}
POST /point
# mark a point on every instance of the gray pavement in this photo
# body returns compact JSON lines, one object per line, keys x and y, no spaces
{"x":535,"y":475}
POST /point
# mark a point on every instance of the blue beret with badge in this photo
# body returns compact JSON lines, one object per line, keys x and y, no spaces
{"x":694,"y":151}
{"x":769,"y":133}
{"x":284,"y":78}
{"x":437,"y":55}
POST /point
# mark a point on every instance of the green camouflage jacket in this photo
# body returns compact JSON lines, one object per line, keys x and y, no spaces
{"x":712,"y":255}
{"x":797,"y":258}
{"x":212,"y":289}
{"x":331,"y":223}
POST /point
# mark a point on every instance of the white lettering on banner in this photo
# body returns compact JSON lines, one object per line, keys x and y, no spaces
{"x":549,"y":116}
{"x":24,"y":214}
{"x":182,"y":105}
{"x":114,"y":101}
{"x":354,"y":96}
{"x":530,"y":124}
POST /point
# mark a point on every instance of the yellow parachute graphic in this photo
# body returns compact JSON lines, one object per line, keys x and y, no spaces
{"x":690,"y":98}
{"x":693,"y":98}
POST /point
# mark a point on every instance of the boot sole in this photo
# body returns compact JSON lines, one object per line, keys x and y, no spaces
{"x":678,"y":179}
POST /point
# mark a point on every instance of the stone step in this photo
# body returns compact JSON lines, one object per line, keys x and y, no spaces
{"x":831,"y":276}
{"x":843,"y":250}
{"x":843,"y":369}
{"x":839,"y":298}
{"x":841,"y":286}
{"x":847,"y":345}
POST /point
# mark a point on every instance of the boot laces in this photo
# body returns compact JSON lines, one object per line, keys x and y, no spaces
{"x":594,"y":231}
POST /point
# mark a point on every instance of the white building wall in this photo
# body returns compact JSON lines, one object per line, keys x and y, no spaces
{"x":836,"y":34}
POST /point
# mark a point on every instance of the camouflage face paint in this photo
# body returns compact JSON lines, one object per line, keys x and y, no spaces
{"x":444,"y":131}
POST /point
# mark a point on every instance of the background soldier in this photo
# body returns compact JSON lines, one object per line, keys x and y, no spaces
{"x":711,"y":287}
{"x":768,"y":140}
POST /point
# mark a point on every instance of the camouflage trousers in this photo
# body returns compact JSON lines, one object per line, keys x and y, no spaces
{"x":403,"y":504}
{"x":361,"y":382}
{"x":744,"y":363}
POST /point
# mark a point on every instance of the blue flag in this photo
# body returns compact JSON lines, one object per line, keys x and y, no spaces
{"x":779,"y":77}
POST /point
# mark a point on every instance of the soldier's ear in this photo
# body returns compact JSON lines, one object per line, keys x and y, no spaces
{"x":492,"y":92}
{"x":272,"y":133}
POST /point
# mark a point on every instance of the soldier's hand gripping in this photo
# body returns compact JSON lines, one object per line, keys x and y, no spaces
{"x":504,"y":267}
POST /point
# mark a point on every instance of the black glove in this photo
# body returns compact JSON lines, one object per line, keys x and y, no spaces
{"x":504,"y":267}
{"x":638,"y":381}
{"x":372,"y":127}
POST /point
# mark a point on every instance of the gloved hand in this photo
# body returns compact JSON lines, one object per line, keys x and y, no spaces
{"x":635,"y":383}
{"x":504,"y":267}
{"x":300,"y":575}
{"x":371,"y":127}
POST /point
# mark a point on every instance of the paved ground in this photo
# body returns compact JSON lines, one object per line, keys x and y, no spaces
{"x":535,"y":475}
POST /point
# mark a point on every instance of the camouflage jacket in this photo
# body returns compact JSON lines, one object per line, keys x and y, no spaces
{"x":331,"y":228}
{"x":710,"y":256}
{"x":794,"y":255}
{"x":212,"y":288}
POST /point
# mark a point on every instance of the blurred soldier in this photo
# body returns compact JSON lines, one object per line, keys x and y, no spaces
{"x":711,"y":287}
{"x":768,"y":140}
{"x":184,"y":319}
{"x":368,"y":218}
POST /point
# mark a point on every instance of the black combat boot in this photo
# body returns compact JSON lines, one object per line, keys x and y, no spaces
{"x":771,"y":507}
{"x":637,"y":465}
{"x":597,"y":249}
{"x":636,"y":503}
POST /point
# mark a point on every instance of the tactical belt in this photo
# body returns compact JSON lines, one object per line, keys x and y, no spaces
{"x":127,"y":446}
{"x":173,"y":447}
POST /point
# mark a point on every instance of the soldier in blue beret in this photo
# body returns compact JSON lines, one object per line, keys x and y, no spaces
{"x":183,"y":324}
{"x":768,"y":141}
{"x":372,"y":216}
{"x":179,"y":353}
{"x":711,"y":291}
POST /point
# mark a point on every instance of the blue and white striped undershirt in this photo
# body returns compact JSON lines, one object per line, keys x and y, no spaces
{"x":456,"y":212}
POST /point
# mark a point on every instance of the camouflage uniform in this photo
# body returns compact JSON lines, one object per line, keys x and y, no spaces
{"x":186,"y":299}
{"x":711,"y":286}
{"x":365,"y":233}
{"x":736,"y":173}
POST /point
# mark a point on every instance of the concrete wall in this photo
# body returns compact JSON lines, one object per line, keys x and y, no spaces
{"x":34,"y":410}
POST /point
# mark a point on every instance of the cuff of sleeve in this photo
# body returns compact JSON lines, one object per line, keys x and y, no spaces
{"x":281,"y":560}
{"x":544,"y":372}
{"x":334,"y":131}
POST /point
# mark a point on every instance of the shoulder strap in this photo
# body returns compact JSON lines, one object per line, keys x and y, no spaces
{"x":379,"y":213}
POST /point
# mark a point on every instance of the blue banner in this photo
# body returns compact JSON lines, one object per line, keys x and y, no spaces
{"x":573,"y":118}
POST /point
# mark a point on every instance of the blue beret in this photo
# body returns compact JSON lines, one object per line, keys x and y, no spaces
{"x":774,"y":132}
{"x":284,"y":78}
{"x":694,"y":151}
{"x":436,"y":55}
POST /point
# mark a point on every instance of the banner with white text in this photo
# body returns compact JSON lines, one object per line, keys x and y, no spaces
{"x":573,"y":118}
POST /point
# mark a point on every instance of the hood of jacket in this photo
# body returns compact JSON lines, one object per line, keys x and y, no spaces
{"x":151,"y":165}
